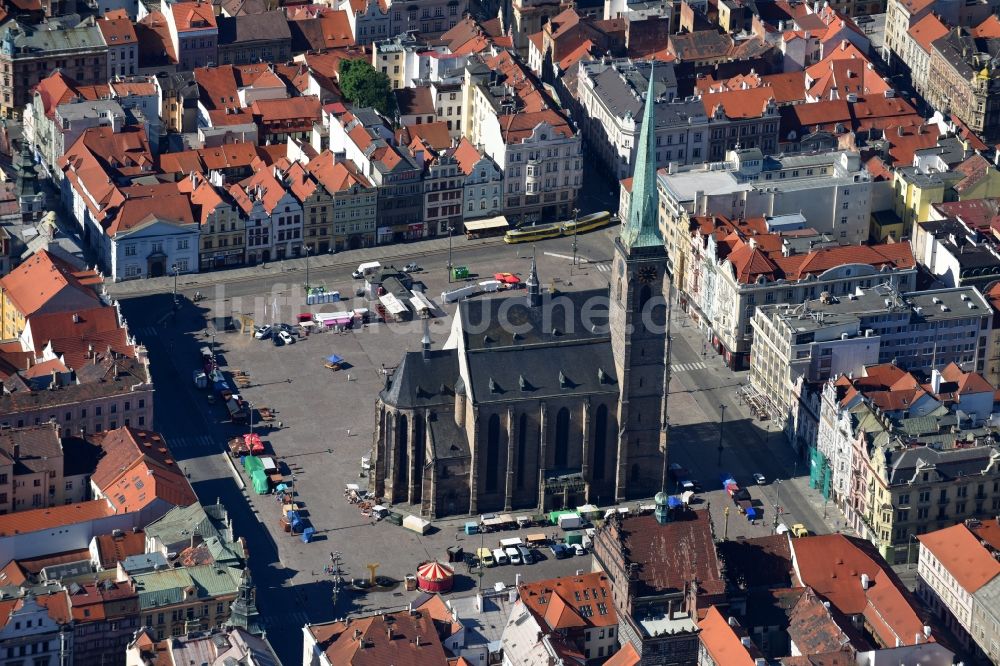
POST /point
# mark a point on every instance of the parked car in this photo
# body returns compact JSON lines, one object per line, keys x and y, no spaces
{"x":759,"y":478}
{"x":526,"y":555}
{"x":357,"y":275}
{"x":286,"y":337}
{"x":559,"y":551}
{"x":412,"y":267}
{"x":500,"y":557}
{"x":513,"y":554}
{"x":262,"y":332}
{"x":799,"y":530}
{"x":485,"y":557}
{"x":578,"y":549}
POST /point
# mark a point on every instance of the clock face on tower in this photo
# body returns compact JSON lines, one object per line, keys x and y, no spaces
{"x":646,"y":274}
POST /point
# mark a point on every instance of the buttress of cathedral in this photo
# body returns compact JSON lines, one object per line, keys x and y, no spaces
{"x":539,"y":400}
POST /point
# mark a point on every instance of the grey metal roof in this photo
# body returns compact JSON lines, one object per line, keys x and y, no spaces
{"x":514,"y":374}
{"x":951,"y":464}
{"x":29,"y":41}
{"x":420,"y":382}
{"x":561,"y":318}
{"x":448,"y":441}
{"x":621,"y":89}
{"x":245,"y":29}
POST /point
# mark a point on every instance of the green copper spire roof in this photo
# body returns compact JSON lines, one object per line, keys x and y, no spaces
{"x":642,"y":228}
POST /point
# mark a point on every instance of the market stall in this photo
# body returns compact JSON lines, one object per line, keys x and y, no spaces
{"x":435,"y":577}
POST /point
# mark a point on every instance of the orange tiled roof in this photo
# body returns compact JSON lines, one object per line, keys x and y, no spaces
{"x":518,"y":127}
{"x":832,"y":565}
{"x":721,"y":642}
{"x":137,"y":469}
{"x":571,"y":602}
{"x":35,"y":520}
{"x":44,"y":283}
{"x":626,"y":656}
{"x":117,"y":32}
{"x":336,"y":176}
{"x":930,"y":28}
{"x":748,"y":103}
{"x":192,"y":16}
{"x":960,"y":553}
{"x":467,"y":156}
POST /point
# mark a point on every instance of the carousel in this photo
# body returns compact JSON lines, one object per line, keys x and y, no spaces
{"x":435,"y":577}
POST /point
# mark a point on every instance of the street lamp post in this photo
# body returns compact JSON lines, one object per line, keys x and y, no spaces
{"x":777,"y":503}
{"x":174,"y":269}
{"x":909,"y":550}
{"x":576,"y":213}
{"x":449,"y":251}
{"x":307,"y":248}
{"x":722,"y":422}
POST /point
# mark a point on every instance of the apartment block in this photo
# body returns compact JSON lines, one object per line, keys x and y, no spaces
{"x":838,"y":335}
{"x":958,"y":570}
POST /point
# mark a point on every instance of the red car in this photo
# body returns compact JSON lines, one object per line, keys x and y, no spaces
{"x":507,"y":278}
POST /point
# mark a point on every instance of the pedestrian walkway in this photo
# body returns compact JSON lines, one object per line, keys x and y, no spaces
{"x":385,"y":254}
{"x":146,"y":332}
{"x":602,"y":266}
{"x":294,"y":619}
{"x":189,"y":443}
{"x":687,"y":367}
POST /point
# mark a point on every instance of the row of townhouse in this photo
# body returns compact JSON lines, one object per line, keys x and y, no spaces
{"x":689,"y":131}
{"x":210,"y":217}
{"x":942,"y":46}
{"x":958,"y":578}
{"x":903,"y":453}
{"x":799,"y":346}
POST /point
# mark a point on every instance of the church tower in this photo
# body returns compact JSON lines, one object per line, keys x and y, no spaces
{"x":638,"y":312}
{"x":243,"y":610}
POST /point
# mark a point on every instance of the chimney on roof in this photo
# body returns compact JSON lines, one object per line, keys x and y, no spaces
{"x":76,"y":318}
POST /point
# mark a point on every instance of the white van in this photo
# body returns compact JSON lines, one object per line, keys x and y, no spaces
{"x":366,"y":269}
{"x":500,"y":557}
{"x":513,"y":555}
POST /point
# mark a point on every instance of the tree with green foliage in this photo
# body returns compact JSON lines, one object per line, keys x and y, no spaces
{"x":363,"y":85}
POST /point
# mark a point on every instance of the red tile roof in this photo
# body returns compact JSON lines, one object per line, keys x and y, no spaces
{"x":670,"y":556}
{"x":833,"y":564}
{"x":958,"y":550}
{"x":44,"y":284}
{"x":928,"y":30}
{"x":117,"y":32}
{"x":336,"y":176}
{"x":137,"y":468}
{"x":904,"y":141}
{"x":383,"y":639}
{"x":191,"y":16}
{"x":35,"y":520}
{"x":284,"y":110}
{"x":748,"y":103}
{"x":571,"y":602}
{"x":722,"y":643}
{"x":626,"y":656}
{"x":416,"y":101}
{"x":467,"y":156}
{"x":517,"y":127}
{"x":113,"y":549}
{"x":434,"y":134}
{"x":73,"y":333}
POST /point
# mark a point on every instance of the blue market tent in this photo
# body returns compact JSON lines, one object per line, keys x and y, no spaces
{"x":334,"y":359}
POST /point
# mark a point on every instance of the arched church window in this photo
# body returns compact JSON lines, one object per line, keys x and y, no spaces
{"x":562,"y":438}
{"x":600,"y":442}
{"x":402,"y":446}
{"x":522,"y":445}
{"x":492,"y":453}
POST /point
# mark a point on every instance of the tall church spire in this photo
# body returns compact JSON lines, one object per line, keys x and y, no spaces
{"x":243,"y":610}
{"x":642,"y":228}
{"x":534,"y":289}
